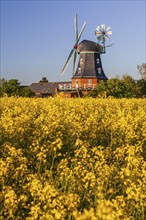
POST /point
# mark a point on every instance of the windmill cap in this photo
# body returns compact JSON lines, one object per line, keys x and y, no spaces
{"x":87,"y":45}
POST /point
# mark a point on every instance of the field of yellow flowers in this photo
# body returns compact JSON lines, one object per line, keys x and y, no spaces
{"x":81,"y":159}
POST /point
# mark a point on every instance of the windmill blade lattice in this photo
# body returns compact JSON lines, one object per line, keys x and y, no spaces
{"x":76,"y":28}
{"x":74,"y":50}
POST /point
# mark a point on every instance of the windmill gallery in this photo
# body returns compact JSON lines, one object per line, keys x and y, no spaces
{"x":89,"y":71}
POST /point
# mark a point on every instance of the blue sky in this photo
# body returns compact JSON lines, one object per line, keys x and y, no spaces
{"x":37,"y":36}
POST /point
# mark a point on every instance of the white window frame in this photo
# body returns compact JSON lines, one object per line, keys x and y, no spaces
{"x":99,"y":70}
{"x":79,"y":69}
{"x":77,"y":83}
{"x":97,"y":60}
{"x":89,"y":81}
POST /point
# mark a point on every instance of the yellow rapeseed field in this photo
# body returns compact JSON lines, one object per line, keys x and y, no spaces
{"x":81,"y":159}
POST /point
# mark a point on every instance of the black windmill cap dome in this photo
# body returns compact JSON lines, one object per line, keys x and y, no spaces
{"x":87,"y":45}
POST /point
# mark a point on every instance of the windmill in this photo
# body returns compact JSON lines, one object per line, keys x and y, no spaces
{"x":89,"y":70}
{"x":103,"y":33}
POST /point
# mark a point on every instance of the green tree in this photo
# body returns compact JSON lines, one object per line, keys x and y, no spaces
{"x":1,"y":86}
{"x":25,"y":91}
{"x":140,"y":88}
{"x":116,"y":88}
{"x":130,"y":84}
{"x":11,"y":87}
{"x":44,"y":79}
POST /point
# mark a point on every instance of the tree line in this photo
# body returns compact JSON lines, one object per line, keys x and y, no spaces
{"x":124,"y":87}
{"x":12,"y":87}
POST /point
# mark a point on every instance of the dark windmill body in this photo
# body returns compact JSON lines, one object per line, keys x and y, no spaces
{"x":89,"y":70}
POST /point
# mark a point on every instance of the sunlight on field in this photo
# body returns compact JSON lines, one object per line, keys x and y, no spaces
{"x":72,"y":159}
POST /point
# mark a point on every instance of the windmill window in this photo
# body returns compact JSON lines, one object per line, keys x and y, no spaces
{"x":99,"y":70}
{"x":79,"y":69}
{"x":76,"y":83}
{"x":81,"y":60}
{"x":89,"y":81}
{"x":97,"y":61}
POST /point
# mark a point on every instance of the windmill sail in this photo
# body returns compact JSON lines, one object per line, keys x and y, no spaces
{"x":67,"y":61}
{"x":77,"y":38}
{"x":102,"y":35}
